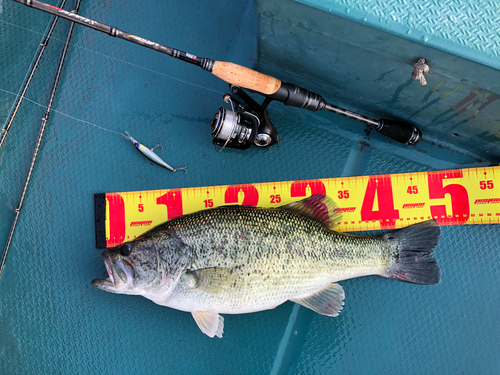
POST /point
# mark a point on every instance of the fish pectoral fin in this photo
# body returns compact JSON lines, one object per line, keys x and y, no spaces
{"x":211,"y":279}
{"x":328,"y":301}
{"x":210,"y":322}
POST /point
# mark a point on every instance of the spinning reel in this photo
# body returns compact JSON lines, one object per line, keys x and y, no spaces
{"x":245,"y":124}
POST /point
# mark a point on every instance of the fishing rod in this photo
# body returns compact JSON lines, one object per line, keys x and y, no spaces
{"x":38,"y":142}
{"x":28,"y":81}
{"x":249,"y":123}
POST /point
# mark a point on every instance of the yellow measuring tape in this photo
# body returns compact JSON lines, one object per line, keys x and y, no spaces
{"x":459,"y":196}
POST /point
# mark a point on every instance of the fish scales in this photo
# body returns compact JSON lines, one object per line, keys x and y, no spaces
{"x":274,"y":254}
{"x":240,"y":259}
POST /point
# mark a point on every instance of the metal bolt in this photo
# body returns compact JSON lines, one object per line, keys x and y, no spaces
{"x":420,"y":68}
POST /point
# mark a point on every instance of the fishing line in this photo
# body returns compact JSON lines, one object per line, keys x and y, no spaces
{"x":62,"y":113}
{"x":40,"y":44}
{"x":37,"y":147}
{"x":76,"y":45}
{"x":27,"y":78}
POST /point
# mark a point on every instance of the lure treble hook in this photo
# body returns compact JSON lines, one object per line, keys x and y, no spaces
{"x":150,"y":154}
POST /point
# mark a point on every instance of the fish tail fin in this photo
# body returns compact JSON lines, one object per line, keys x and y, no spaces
{"x":411,"y":251}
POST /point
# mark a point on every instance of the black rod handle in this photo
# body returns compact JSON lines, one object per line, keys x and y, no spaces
{"x":399,"y":131}
{"x":296,"y":96}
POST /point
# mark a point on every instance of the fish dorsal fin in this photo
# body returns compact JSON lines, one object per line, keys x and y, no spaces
{"x":319,"y":207}
{"x":327,"y":301}
{"x":210,"y":322}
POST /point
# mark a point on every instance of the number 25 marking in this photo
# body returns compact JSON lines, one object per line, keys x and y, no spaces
{"x":276,"y":198}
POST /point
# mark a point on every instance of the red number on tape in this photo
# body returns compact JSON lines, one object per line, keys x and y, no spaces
{"x":380,"y":186}
{"x":251,"y":194}
{"x":298,"y":188}
{"x":276,"y":198}
{"x":116,"y":219}
{"x":486,"y":184}
{"x":173,"y":201}
{"x":458,"y":194}
{"x":343,"y":194}
{"x":412,"y":190}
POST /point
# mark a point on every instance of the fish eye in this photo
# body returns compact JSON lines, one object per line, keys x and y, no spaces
{"x":126,"y":249}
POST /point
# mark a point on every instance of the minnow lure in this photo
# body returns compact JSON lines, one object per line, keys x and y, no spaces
{"x":149,"y":153}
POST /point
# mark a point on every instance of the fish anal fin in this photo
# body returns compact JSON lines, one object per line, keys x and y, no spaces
{"x":319,"y":207}
{"x":210,"y":322}
{"x":328,"y":301}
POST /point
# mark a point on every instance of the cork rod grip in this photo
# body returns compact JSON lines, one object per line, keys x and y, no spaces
{"x":246,"y":78}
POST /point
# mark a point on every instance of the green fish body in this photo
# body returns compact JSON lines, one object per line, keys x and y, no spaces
{"x":239,"y":259}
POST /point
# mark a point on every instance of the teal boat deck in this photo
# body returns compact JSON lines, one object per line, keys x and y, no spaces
{"x":357,"y":55}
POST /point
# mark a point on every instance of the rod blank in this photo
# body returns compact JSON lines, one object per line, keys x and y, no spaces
{"x":39,"y":141}
{"x":28,"y":81}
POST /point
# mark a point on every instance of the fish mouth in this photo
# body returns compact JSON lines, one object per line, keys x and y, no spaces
{"x":107,"y":284}
{"x":120,"y":274}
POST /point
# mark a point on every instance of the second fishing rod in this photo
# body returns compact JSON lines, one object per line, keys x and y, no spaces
{"x":247,"y":123}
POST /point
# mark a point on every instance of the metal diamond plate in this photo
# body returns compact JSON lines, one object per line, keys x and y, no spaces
{"x":469,"y":28}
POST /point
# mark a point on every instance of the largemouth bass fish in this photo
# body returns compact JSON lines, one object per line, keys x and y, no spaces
{"x":241,"y":259}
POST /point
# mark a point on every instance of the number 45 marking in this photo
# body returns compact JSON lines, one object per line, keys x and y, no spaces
{"x":412,"y":190}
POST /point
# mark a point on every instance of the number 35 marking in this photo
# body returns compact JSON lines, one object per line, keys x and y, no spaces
{"x":343,"y":194}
